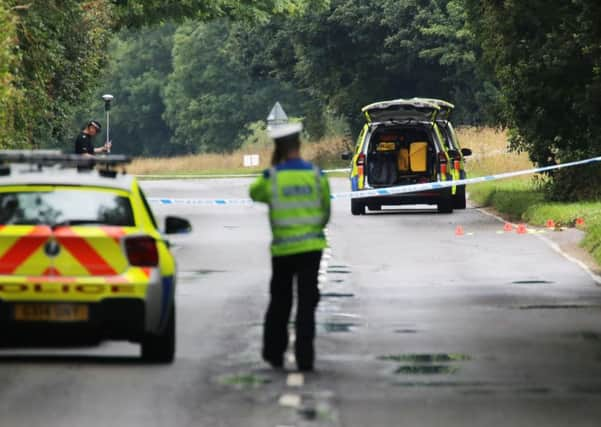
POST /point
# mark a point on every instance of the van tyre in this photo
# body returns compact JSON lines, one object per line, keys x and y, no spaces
{"x":459,"y":200}
{"x":161,"y":348}
{"x":445,"y":205}
{"x":357,"y":207}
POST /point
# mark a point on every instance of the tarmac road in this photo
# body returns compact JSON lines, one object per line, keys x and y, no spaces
{"x":416,"y":327}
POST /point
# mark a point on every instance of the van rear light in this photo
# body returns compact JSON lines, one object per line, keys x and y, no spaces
{"x":456,"y":165}
{"x":142,"y":251}
{"x":361,"y":159}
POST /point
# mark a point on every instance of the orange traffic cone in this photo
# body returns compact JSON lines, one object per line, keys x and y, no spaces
{"x":508,"y":227}
{"x":579,"y":221}
{"x":550,"y":223}
{"x":522,"y":229}
{"x":459,"y":231}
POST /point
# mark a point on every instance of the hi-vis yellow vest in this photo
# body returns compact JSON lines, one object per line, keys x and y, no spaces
{"x":298,"y":196}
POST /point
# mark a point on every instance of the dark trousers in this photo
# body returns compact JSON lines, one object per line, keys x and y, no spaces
{"x":305,"y":267}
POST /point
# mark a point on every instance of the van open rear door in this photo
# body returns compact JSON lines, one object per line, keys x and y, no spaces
{"x":401,"y":110}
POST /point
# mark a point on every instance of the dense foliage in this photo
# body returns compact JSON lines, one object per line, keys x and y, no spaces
{"x":322,"y":65}
{"x":53,"y":53}
{"x":546,"y":56}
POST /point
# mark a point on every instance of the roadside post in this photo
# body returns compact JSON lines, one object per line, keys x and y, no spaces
{"x":107,"y":109}
{"x":277,"y":116}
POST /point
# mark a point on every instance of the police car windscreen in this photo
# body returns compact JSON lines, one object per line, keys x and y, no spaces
{"x":65,"y":207}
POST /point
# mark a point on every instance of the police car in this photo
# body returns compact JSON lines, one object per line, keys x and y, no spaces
{"x":81,"y":256}
{"x":400,"y":144}
{"x":456,"y":154}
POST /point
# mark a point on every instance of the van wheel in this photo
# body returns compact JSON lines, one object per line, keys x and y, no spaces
{"x":161,"y":348}
{"x":357,"y":207}
{"x":459,"y":201}
{"x":445,"y":205}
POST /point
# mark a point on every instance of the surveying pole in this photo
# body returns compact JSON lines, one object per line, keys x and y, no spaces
{"x":107,"y":109}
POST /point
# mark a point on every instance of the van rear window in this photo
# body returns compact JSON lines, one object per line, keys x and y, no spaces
{"x":65,"y":207}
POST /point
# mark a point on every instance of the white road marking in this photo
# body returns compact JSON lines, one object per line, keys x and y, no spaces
{"x":290,"y":400}
{"x":295,"y":380}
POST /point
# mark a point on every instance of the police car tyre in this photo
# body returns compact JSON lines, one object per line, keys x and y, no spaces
{"x":357,"y":207}
{"x":161,"y":348}
{"x":445,"y":205}
{"x":459,"y":201}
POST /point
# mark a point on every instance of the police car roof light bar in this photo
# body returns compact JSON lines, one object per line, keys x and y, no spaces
{"x":48,"y":158}
{"x":55,"y":157}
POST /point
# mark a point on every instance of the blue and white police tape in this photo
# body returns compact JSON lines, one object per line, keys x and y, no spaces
{"x":199,"y":202}
{"x":217,"y":176}
{"x":401,"y":189}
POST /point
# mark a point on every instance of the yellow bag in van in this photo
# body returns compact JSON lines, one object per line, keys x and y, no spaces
{"x":418,"y":154}
{"x":403,"y":160}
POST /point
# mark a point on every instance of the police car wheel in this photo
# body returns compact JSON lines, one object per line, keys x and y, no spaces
{"x":161,"y":348}
{"x":445,"y":205}
{"x":459,"y":201}
{"x":357,"y":207}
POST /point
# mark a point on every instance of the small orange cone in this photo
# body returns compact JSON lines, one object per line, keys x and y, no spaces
{"x":522,"y":229}
{"x":550,"y":223}
{"x":579,"y":221}
{"x":459,"y":231}
{"x":508,"y":227}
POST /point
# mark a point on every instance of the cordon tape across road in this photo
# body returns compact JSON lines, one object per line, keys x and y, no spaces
{"x":413,"y":188}
{"x":216,"y":176}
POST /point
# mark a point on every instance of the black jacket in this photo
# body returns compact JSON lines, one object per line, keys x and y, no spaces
{"x":83,"y":144}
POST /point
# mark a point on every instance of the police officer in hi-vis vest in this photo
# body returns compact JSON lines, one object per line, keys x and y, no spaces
{"x":298,"y":195}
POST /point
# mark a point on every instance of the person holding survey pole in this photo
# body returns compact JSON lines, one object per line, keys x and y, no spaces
{"x":83,"y":142}
{"x":298,"y":196}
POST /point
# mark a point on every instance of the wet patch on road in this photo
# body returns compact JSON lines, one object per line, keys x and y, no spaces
{"x":557,"y":307}
{"x":197,"y":273}
{"x":594,"y":389}
{"x":336,"y":295}
{"x":242,"y":381}
{"x":329,"y":327}
{"x":586,"y":335}
{"x":532,"y":282}
{"x":438,"y":384}
{"x":426,"y":364}
{"x":426,"y":358}
{"x":405,"y":331}
{"x":426,"y":369}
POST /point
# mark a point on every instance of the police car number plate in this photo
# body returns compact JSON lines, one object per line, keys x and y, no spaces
{"x":51,"y":312}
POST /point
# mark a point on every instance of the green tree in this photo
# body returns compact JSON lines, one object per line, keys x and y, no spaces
{"x":547,"y":59}
{"x":137,"y":13}
{"x":357,"y":51}
{"x":210,"y":98}
{"x":61,"y":52}
{"x":10,"y":97}
{"x":139,"y":64}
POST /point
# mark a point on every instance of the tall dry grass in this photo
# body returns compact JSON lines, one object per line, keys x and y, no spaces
{"x":489,"y":147}
{"x":325,"y":153}
{"x":489,"y":152}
